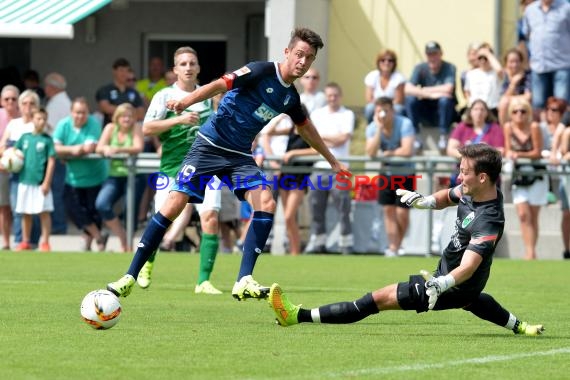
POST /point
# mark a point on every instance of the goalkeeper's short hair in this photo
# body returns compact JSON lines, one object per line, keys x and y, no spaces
{"x":487,"y":159}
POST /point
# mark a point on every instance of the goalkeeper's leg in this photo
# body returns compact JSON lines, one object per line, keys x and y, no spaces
{"x":340,"y":312}
{"x":485,"y":307}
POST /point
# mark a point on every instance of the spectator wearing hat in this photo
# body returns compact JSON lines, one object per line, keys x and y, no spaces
{"x":430,"y":94}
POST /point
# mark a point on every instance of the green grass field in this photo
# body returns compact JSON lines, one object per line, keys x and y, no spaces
{"x":168,"y":332}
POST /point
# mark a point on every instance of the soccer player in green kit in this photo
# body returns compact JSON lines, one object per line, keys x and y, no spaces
{"x":177,"y":133}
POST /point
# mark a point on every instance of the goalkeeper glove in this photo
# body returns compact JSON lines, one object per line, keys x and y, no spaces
{"x":436,"y":285}
{"x":415,"y":200}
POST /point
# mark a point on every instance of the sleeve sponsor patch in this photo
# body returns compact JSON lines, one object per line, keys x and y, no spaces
{"x":244,"y":70}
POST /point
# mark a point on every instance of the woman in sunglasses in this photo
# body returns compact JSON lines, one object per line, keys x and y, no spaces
{"x":523,"y":139}
{"x":385,"y":81}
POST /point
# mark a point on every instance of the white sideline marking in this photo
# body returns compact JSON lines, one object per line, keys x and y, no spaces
{"x":421,"y":367}
{"x":17,"y":282}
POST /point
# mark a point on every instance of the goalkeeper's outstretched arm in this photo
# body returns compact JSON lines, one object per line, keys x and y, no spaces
{"x":442,"y":199}
{"x":438,"y":200}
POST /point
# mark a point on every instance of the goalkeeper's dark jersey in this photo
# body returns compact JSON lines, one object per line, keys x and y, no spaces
{"x":478,"y":227}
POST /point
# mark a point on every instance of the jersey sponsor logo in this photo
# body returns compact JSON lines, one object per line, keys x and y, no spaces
{"x":468,"y":219}
{"x":269,"y":90}
{"x":264,"y":113}
{"x":244,"y":70}
{"x":286,"y":101}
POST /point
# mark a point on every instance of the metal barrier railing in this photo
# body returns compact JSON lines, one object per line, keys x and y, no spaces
{"x":146,"y":163}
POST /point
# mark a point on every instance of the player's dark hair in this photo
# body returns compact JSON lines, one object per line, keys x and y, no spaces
{"x":487,"y":159}
{"x":308,"y":36}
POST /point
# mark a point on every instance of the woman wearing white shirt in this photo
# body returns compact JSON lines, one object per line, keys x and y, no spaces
{"x":384,"y":82}
{"x":484,"y":82}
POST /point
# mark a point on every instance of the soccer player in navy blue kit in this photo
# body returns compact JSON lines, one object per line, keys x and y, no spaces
{"x":256,"y":93}
{"x":465,"y":265}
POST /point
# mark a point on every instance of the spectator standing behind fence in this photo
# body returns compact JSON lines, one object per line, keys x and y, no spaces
{"x":546,"y":23}
{"x":8,"y":111}
{"x":58,"y":107}
{"x":430,"y":94}
{"x":290,"y":186}
{"x":394,"y":136}
{"x":27,"y":102}
{"x":123,"y":135}
{"x":516,"y":82}
{"x":75,"y":137}
{"x":34,"y":188}
{"x":335,"y":124}
{"x":118,"y":92}
{"x":555,"y":135}
{"x":311,"y":96}
{"x":523,"y":139}
{"x":565,"y":190}
{"x":155,"y":81}
{"x":484,"y":82}
{"x":385,"y":81}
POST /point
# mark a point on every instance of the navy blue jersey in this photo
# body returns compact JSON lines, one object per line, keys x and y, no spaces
{"x":478,"y":227}
{"x":257,"y":94}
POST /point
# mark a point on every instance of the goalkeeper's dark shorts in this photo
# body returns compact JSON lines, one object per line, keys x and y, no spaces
{"x":412,"y":296}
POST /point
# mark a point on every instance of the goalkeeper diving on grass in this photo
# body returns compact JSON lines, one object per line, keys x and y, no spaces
{"x":463,"y":269}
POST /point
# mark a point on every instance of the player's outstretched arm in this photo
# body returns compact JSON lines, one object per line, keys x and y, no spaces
{"x":309,"y":133}
{"x":205,"y":92}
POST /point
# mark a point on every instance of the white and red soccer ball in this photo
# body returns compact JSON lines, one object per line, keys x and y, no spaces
{"x":101,"y":309}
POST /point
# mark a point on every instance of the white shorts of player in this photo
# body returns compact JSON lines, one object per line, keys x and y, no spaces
{"x":212,"y":197}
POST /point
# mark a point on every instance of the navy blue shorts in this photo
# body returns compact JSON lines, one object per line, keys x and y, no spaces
{"x":203,"y":161}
